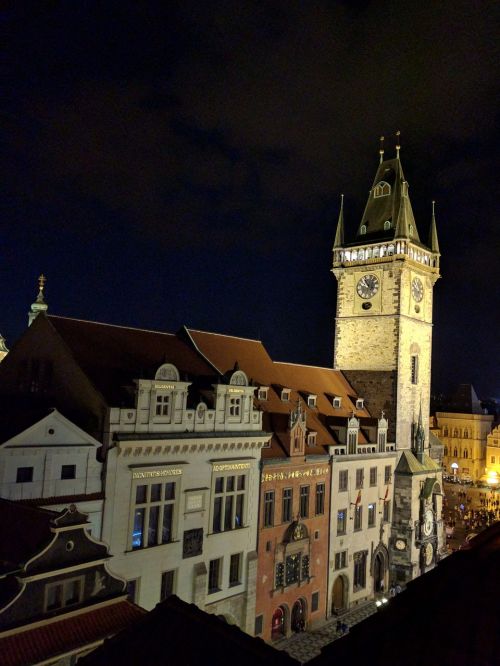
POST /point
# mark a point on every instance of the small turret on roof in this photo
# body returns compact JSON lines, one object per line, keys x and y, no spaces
{"x":39,"y":305}
{"x":433,"y":239}
{"x":339,"y":235}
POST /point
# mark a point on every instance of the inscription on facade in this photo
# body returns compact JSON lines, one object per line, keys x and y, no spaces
{"x":151,"y":474}
{"x":229,"y":467}
{"x":295,"y":474}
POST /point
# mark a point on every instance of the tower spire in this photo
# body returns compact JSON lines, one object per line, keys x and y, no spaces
{"x":39,"y":305}
{"x":381,"y":149}
{"x":433,"y":239}
{"x":339,"y":235}
{"x":398,"y":143}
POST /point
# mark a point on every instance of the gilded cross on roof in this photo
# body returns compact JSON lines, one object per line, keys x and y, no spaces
{"x":41,"y":281}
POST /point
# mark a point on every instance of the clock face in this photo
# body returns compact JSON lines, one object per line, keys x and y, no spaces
{"x":367,"y":286}
{"x":417,"y":289}
{"x":428,"y":554}
{"x":400,"y":544}
{"x":428,"y":522}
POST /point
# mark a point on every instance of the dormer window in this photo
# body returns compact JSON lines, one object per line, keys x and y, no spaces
{"x":162,"y":404}
{"x":382,"y":189}
{"x":311,"y":401}
{"x":234,"y":406}
{"x":285,"y":395}
{"x":311,"y":439}
{"x":360,"y":403}
{"x":363,"y":229}
{"x":411,"y":229}
{"x":387,"y":225}
{"x":262,"y":393}
{"x":337,"y":402}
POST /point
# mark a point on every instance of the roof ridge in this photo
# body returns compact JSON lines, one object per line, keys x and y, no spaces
{"x":223,"y":335}
{"x":103,"y":323}
{"x":306,"y":365}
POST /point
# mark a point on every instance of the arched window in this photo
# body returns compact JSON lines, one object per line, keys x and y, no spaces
{"x":455,"y":452}
{"x":445,"y":431}
{"x":387,"y":225}
{"x":466,"y":453}
{"x":354,"y":255}
{"x":445,"y":450}
{"x":368,"y":253}
{"x":455,"y":432}
{"x":390,"y":250}
{"x":382,"y":189}
{"x":411,"y":229}
{"x":363,"y":229}
{"x":361,"y":255}
{"x":383,"y":251}
{"x":466,"y":434}
{"x":376,"y":252}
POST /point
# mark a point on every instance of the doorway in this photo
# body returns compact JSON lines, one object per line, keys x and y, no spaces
{"x":339,"y":595}
{"x":278,"y":623}
{"x":299,"y":615}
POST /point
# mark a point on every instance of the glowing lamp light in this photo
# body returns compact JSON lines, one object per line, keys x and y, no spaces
{"x":492,"y":477}
{"x":378,"y":603}
{"x":384,"y":600}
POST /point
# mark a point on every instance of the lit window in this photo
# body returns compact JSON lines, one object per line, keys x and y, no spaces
{"x":341,"y":521}
{"x":262,"y":393}
{"x":382,"y":189}
{"x":371,"y":515}
{"x":229,"y":502}
{"x":153,"y":514}
{"x":387,"y":225}
{"x":280,"y":575}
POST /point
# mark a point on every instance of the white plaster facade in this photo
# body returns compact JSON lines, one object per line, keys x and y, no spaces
{"x":50,"y":459}
{"x":182,"y":493}
{"x":362,"y":502}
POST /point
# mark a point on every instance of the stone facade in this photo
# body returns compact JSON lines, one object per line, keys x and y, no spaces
{"x":464,"y":437}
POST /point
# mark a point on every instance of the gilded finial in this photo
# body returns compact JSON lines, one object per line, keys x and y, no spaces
{"x":41,"y":281}
{"x":433,"y":208}
{"x":381,"y":149}
{"x":398,"y":142}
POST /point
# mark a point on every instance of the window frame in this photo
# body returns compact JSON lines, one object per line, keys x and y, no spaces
{"x":341,"y":521}
{"x":215,"y":575}
{"x":237,"y":494}
{"x":269,"y":505}
{"x":304,"y":497}
{"x":30,"y":480}
{"x":287,"y":516}
{"x":63,"y":585}
{"x":372,"y":514}
{"x":320,"y":499}
{"x":343,"y":475}
{"x":166,"y":519}
{"x":68,"y":478}
{"x":358,"y":518}
{"x":237,"y":580}
{"x":164,"y":574}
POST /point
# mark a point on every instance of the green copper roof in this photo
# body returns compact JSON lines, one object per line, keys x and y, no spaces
{"x":408,"y":464}
{"x":388,"y":202}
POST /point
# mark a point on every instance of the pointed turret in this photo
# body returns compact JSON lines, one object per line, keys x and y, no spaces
{"x":339,"y":235}
{"x":433,"y":238}
{"x":39,"y":305}
{"x":419,"y":437}
{"x":388,"y":213}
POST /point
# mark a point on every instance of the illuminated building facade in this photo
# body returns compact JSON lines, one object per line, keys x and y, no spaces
{"x":383,"y":340}
{"x":493,"y":457}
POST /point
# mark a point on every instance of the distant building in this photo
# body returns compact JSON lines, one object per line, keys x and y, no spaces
{"x":492,"y":470}
{"x":58,"y":599}
{"x":51,"y":462}
{"x":464,"y":428}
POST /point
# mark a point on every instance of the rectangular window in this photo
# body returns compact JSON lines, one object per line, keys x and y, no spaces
{"x":153,"y":514}
{"x":287,"y":505}
{"x":292,"y":569}
{"x":360,"y":477}
{"x":387,"y":511}
{"x":341,"y":560}
{"x":68,"y":472}
{"x":311,"y":401}
{"x":214,"y":575}
{"x":259,"y":623}
{"x":320,"y":499}
{"x":262,"y":393}
{"x":373,"y":476}
{"x":167,"y":584}
{"x":371,"y":515}
{"x":269,"y":508}
{"x":359,"y":581}
{"x":414,"y":369}
{"x":229,"y":502}
{"x":337,"y":402}
{"x":132,"y":590}
{"x":235,"y":569}
{"x":358,"y":517}
{"x":341,"y":521}
{"x":162,"y":404}
{"x":387,"y":474}
{"x":234,"y":406}
{"x":304,"y":501}
{"x":314,"y":601}
{"x":66,"y":593}
{"x":24,"y":475}
{"x":343,"y":479}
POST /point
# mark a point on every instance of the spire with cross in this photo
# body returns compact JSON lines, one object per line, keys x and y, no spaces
{"x":39,"y":305}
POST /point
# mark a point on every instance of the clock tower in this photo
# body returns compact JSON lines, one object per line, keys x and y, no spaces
{"x":383,"y":343}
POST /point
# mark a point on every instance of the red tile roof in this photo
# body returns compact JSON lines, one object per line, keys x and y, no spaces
{"x":60,"y":636}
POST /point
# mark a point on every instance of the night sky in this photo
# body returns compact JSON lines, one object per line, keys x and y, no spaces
{"x":182,"y":163}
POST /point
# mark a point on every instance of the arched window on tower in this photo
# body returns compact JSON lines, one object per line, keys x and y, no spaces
{"x":455,"y":452}
{"x":387,"y":225}
{"x":363,"y":229}
{"x":382,"y":189}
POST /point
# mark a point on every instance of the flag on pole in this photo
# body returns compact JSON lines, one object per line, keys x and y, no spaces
{"x":358,"y":498}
